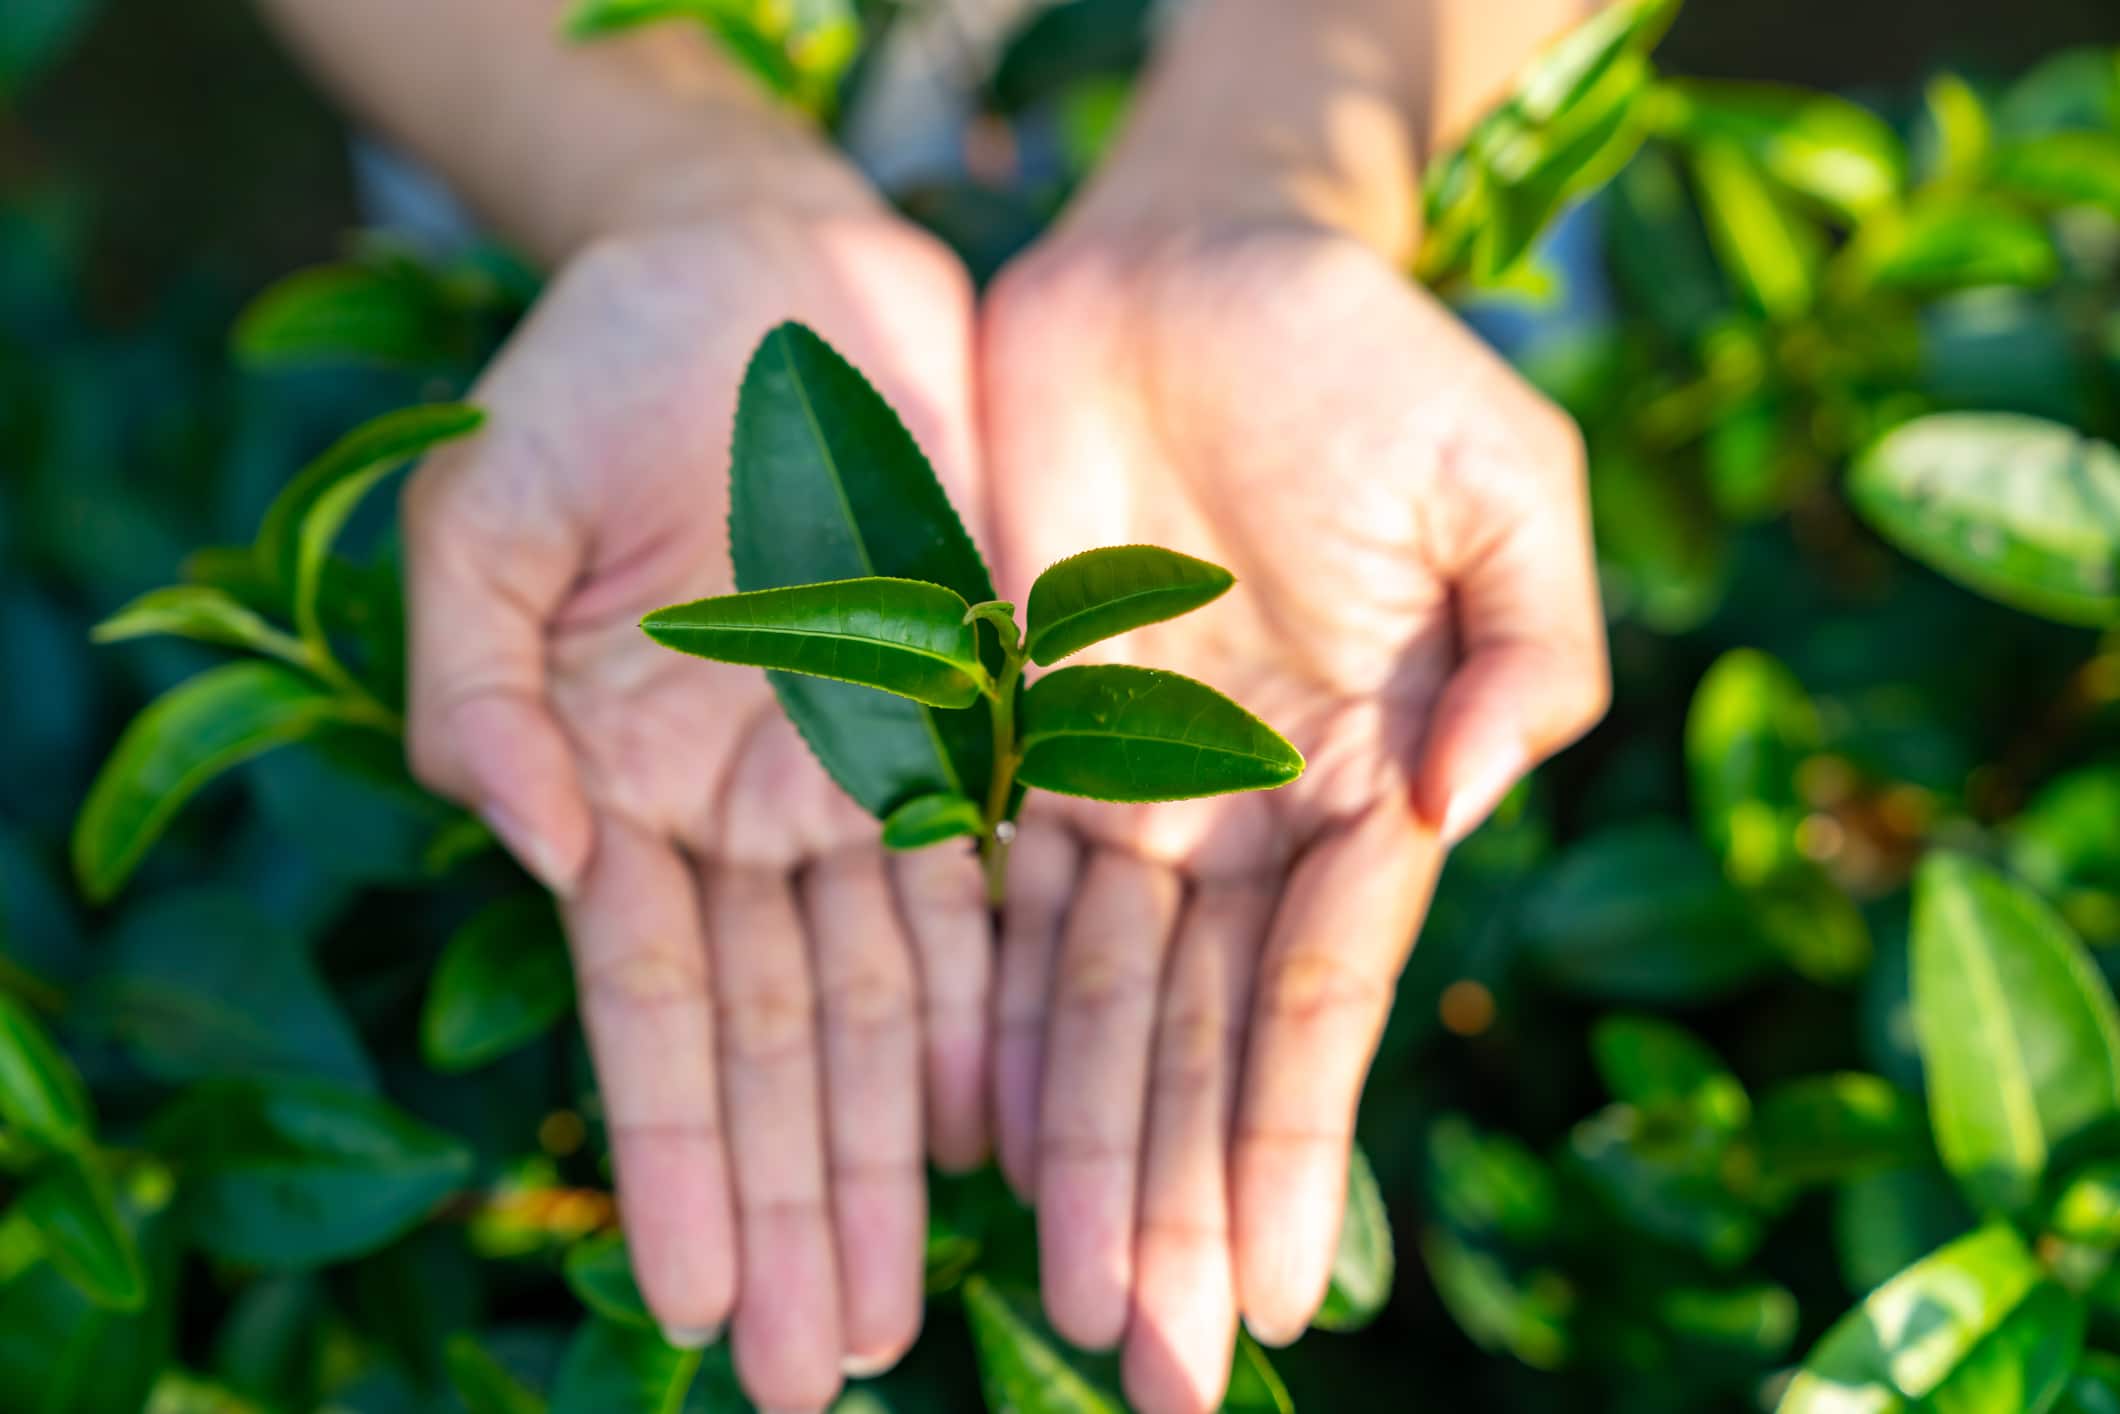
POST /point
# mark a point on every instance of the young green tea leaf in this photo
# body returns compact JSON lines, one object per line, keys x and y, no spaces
{"x":798,"y":50}
{"x":2061,"y":170}
{"x":1909,"y":1336}
{"x":896,"y":635}
{"x":1953,"y":242}
{"x":2021,"y":510}
{"x":600,"y":1274}
{"x":1139,"y":734}
{"x":298,"y":1174}
{"x":1771,"y":253}
{"x":2088,"y":1210}
{"x":200,"y":612}
{"x":383,"y":314}
{"x":296,"y":535}
{"x":1751,"y":724}
{"x":1536,"y":173}
{"x":1834,"y":152}
{"x":609,"y":1367}
{"x":483,"y":1383}
{"x":182,"y":740}
{"x":1831,"y":1128}
{"x":1365,"y":1263}
{"x":1023,"y":1365}
{"x":2019,"y":1035}
{"x":1255,"y":1387}
{"x":41,"y":1093}
{"x":1963,"y":131}
{"x":71,"y":1207}
{"x":2024,"y":1365}
{"x":503,"y":980}
{"x":1101,"y":593}
{"x":1649,"y":1063}
{"x":931,"y":819}
{"x":827,"y":484}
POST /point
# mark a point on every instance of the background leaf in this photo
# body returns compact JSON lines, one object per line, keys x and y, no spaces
{"x":1365,"y":1263}
{"x":600,"y":1272}
{"x":1024,"y":1366}
{"x":483,"y":1383}
{"x":1126,"y":733}
{"x":610,"y":1366}
{"x":74,"y":1213}
{"x":41,"y":1093}
{"x":504,"y":979}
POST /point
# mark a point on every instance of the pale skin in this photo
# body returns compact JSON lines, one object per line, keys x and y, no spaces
{"x":1215,"y":351}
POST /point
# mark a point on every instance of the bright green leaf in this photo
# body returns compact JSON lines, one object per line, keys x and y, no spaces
{"x":2024,"y":1365}
{"x":1953,"y":242}
{"x":1829,"y":1128}
{"x":1965,"y":132}
{"x":827,"y":484}
{"x":2019,"y":1035}
{"x":41,"y":1093}
{"x":2088,"y":1210}
{"x":1136,"y":734}
{"x":2021,"y":510}
{"x":1365,"y":1262}
{"x":1024,"y":1366}
{"x":896,"y":635}
{"x":600,"y":1273}
{"x":504,"y":979}
{"x":1664,"y":1171}
{"x":71,"y":1206}
{"x":797,"y":48}
{"x":483,"y":1383}
{"x":1753,"y":1323}
{"x":292,"y":1175}
{"x":2060,"y":170}
{"x":1751,"y":725}
{"x":200,"y":612}
{"x":1648,"y":1062}
{"x":611,"y":1367}
{"x":1771,"y":253}
{"x":2061,"y":843}
{"x":1255,"y":1387}
{"x":379,"y":313}
{"x":1891,"y":1220}
{"x":182,"y":740}
{"x":1828,"y":149}
{"x":931,"y":819}
{"x":1099,"y":594}
{"x":1528,"y":1314}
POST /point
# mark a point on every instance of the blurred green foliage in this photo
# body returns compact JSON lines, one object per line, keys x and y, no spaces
{"x":1760,"y":1053}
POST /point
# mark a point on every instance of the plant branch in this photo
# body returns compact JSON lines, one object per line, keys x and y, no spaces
{"x":994,"y":841}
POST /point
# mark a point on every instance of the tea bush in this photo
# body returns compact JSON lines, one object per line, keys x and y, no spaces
{"x":1760,"y":1053}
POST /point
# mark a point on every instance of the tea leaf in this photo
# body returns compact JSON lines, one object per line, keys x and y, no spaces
{"x":798,"y":50}
{"x":827,"y":484}
{"x":2019,"y":1035}
{"x":1529,"y":1314}
{"x":1099,"y":594}
{"x":2088,"y":1210}
{"x":483,"y":1383}
{"x":610,"y":1366}
{"x":2021,"y":510}
{"x":504,"y":979}
{"x":1891,"y":1220}
{"x":931,"y":819}
{"x":198,"y":611}
{"x":1772,"y":256}
{"x":896,"y":635}
{"x":1255,"y":1387}
{"x":1830,"y":1128}
{"x":1648,"y":1062}
{"x":1365,"y":1263}
{"x":1953,"y":242}
{"x":182,"y":740}
{"x":1023,"y":1365}
{"x":41,"y":1093}
{"x":2063,"y":169}
{"x":299,"y":1174}
{"x":1751,"y":724}
{"x":1909,"y":1336}
{"x":71,"y":1207}
{"x":1835,"y":152}
{"x":600,"y":1274}
{"x":296,"y":535}
{"x":2024,"y":1365}
{"x":1965,"y":133}
{"x":1754,"y":1322}
{"x":1138,"y":734}
{"x":376,"y":314}
{"x":2095,"y":1386}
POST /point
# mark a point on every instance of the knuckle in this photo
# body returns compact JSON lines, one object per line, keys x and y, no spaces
{"x":1310,"y":987}
{"x":873,"y":993}
{"x":773,"y":1017}
{"x":1193,"y":1051}
{"x":1098,"y":978}
{"x":644,"y":978}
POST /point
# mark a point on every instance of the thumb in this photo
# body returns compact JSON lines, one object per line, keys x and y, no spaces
{"x":479,"y":728}
{"x":1532,"y":675}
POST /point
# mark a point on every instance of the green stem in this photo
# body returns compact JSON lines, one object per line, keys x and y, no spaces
{"x":994,"y":842}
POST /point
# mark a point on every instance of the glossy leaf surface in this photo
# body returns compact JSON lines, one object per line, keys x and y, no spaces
{"x":931,"y":819}
{"x":1099,"y":594}
{"x":1137,"y":734}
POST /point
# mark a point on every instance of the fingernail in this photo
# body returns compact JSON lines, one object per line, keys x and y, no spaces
{"x":529,"y":848}
{"x":1270,"y":1338}
{"x":1474,"y":801}
{"x":690,"y":1337}
{"x":861,"y":1367}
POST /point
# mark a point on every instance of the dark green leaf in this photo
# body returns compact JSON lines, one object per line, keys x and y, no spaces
{"x":2019,"y":1036}
{"x":2024,"y":511}
{"x":1772,"y":255}
{"x":71,"y":1207}
{"x":182,"y":740}
{"x":1891,"y":1220}
{"x":1664,"y":1170}
{"x":40,"y":1091}
{"x":931,"y":819}
{"x":504,"y":979}
{"x":381,"y":313}
{"x":1948,"y":243}
{"x":201,"y":612}
{"x":600,"y":1273}
{"x":483,"y":1383}
{"x":1535,"y":174}
{"x":1640,"y":913}
{"x":1911,"y":1334}
{"x":1365,"y":1263}
{"x":1254,"y":1385}
{"x":295,"y":539}
{"x":1829,"y":1128}
{"x":896,"y":635}
{"x":299,"y":1174}
{"x":1750,"y":1323}
{"x":1490,"y":1186}
{"x":34,"y":34}
{"x":1822,"y":147}
{"x":1099,"y":594}
{"x":2094,"y":1388}
{"x":1648,"y":1062}
{"x":827,"y":484}
{"x":1024,"y":1366}
{"x":1134,"y":734}
{"x":200,"y":985}
{"x":611,"y":1367}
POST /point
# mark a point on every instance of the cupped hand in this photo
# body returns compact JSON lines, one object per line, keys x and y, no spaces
{"x":1189,"y":995}
{"x":756,"y":978}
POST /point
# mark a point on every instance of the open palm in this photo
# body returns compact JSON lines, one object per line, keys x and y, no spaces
{"x":1190,"y":994}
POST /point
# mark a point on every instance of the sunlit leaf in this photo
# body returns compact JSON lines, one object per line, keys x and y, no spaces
{"x":1024,"y":1366}
{"x":1964,"y":130}
{"x":1254,"y":1385}
{"x":2088,"y":1210}
{"x":2063,"y":169}
{"x":1101,"y":593}
{"x":1136,"y":734}
{"x":199,"y":612}
{"x":2024,"y":1364}
{"x":1771,"y":254}
{"x":1829,"y":1128}
{"x":1826,"y":148}
{"x":896,"y":635}
{"x":182,"y":740}
{"x":1365,"y":1262}
{"x":1648,"y":1062}
{"x":2019,"y":1035}
{"x":931,"y":819}
{"x":1751,"y":725}
{"x":797,"y":48}
{"x":2021,"y":510}
{"x":1953,"y":242}
{"x":1528,"y":1314}
{"x":504,"y":979}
